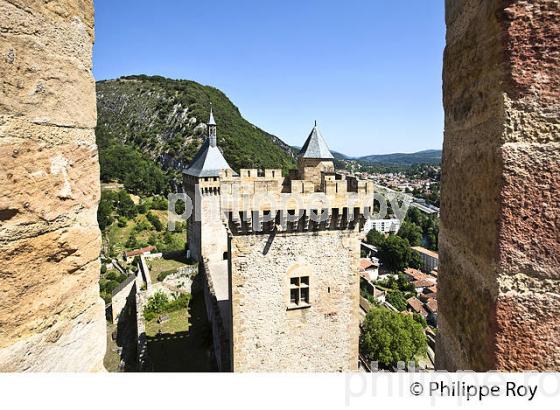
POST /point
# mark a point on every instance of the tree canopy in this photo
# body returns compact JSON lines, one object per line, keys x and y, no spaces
{"x":389,"y":337}
{"x":411,"y":232}
{"x":375,"y":238}
{"x":139,"y":175}
{"x":397,"y":300}
{"x":395,"y":253}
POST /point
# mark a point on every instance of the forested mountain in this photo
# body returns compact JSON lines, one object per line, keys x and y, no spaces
{"x":431,"y":156}
{"x":144,"y":121}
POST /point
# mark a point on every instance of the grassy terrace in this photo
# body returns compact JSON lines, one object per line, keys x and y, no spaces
{"x":167,"y":264}
{"x":178,"y":322}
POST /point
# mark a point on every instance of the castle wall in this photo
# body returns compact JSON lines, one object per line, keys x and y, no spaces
{"x":267,"y":336}
{"x":51,"y":315}
{"x":206,"y":233}
{"x":499,"y":283}
{"x":193,"y":224}
{"x":214,"y":242}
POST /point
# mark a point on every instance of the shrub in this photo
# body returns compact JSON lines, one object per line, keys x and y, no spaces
{"x":397,"y":300}
{"x":420,"y":319}
{"x":155,"y":305}
{"x":131,"y":243}
{"x":160,"y":303}
{"x":154,"y":220}
{"x":142,"y":207}
{"x":162,"y":275}
{"x":121,"y":222}
{"x":159,"y":203}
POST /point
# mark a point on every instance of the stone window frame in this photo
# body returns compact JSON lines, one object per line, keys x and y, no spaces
{"x":302,"y":285}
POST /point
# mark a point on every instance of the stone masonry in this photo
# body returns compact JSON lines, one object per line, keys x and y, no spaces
{"x":499,"y":284}
{"x":275,"y":237}
{"x":51,"y":315}
{"x":267,"y":336}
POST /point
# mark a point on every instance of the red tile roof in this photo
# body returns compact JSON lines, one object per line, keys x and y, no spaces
{"x":140,"y":251}
{"x":417,"y":306}
{"x":415,"y":274}
{"x":432,"y":305}
{"x":366,"y":263}
{"x":424,"y":297}
{"x":424,"y":283}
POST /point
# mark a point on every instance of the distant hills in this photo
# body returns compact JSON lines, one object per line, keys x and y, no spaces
{"x":430,"y":156}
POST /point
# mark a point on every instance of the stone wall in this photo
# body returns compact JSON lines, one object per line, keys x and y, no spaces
{"x":311,"y":169}
{"x":269,"y":337}
{"x":51,"y":315}
{"x":121,"y":295}
{"x":206,"y":233}
{"x":220,"y":335}
{"x":499,"y":284}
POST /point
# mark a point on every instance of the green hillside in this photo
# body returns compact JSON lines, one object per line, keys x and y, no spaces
{"x":143,"y":121}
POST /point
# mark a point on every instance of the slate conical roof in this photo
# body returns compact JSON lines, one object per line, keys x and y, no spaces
{"x":208,"y":161}
{"x":315,"y":146}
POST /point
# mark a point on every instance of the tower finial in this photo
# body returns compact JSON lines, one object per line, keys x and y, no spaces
{"x":211,"y":120}
{"x":315,"y":122}
{"x":212,"y":129}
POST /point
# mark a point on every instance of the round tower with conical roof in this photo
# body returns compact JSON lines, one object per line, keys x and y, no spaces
{"x":206,"y":234}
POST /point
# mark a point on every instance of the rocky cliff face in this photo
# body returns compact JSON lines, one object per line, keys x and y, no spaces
{"x":166,"y":120}
{"x":51,"y":315}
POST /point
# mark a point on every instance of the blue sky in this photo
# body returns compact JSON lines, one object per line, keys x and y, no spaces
{"x":368,"y":71}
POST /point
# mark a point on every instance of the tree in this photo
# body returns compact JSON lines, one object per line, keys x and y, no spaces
{"x":389,"y":337}
{"x":104,"y":212}
{"x":125,"y":205}
{"x":397,"y":300}
{"x":375,"y":238}
{"x":404,"y":284}
{"x":154,"y":220}
{"x":411,"y":232}
{"x":415,"y":216}
{"x":126,"y":164}
{"x":131,"y":243}
{"x":395,"y":253}
{"x":415,"y":261}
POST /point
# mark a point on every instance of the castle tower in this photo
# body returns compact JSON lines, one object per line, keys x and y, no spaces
{"x":315,"y":158}
{"x":293,"y":265}
{"x":206,"y":234}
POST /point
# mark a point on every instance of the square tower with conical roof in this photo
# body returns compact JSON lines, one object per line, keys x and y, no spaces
{"x":315,"y":158}
{"x":279,"y":258}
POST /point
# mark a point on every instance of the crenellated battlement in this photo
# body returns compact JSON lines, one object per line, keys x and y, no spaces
{"x":259,"y":201}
